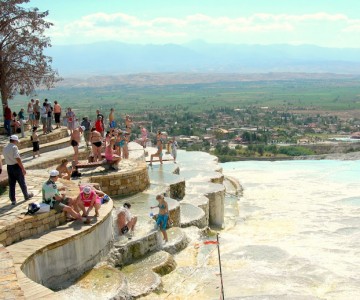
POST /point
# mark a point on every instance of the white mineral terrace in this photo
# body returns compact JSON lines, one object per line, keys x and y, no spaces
{"x":54,"y":259}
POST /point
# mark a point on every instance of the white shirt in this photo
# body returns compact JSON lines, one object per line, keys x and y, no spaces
{"x":127,"y":214}
{"x":11,"y":153}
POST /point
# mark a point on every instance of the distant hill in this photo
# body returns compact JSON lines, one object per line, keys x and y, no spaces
{"x":114,"y":58}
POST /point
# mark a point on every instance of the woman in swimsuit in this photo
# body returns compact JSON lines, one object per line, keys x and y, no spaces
{"x":163,"y":215}
{"x":96,"y":143}
{"x":119,"y":143}
{"x":128,"y":123}
{"x":109,"y":153}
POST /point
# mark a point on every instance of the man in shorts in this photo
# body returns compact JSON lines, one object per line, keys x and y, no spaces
{"x":36,"y":109}
{"x":57,"y":201}
{"x":75,"y":141}
{"x":125,"y":221}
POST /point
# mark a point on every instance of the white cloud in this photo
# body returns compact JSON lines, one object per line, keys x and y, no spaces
{"x":127,"y":28}
{"x":353,"y":27}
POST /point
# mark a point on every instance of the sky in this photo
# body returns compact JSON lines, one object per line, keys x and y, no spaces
{"x":326,"y":23}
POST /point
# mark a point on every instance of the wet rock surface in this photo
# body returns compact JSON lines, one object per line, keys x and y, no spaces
{"x":192,"y":216}
{"x":104,"y":281}
{"x":177,"y":240}
{"x":143,"y":276}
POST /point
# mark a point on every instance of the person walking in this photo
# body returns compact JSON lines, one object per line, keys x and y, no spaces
{"x":15,"y":169}
{"x":159,"y":149}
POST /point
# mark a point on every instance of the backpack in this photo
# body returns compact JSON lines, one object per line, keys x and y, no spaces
{"x":43,"y":112}
{"x":105,"y":199}
{"x":32,"y":208}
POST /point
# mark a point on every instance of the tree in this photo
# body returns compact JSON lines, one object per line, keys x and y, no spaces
{"x":23,"y":65}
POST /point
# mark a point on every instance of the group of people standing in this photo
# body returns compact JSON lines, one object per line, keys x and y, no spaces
{"x":114,"y":142}
{"x":13,"y":120}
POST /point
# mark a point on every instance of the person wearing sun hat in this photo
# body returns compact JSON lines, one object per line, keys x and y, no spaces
{"x":51,"y":196}
{"x":15,"y":169}
{"x":87,"y":199}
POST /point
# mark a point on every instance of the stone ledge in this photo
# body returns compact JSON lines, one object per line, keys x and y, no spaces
{"x":54,"y":136}
{"x":10,"y":288}
{"x":124,"y":183}
{"x":30,"y":225}
{"x":24,"y":252}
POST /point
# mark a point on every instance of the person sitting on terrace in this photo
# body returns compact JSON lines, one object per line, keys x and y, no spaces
{"x":87,"y":199}
{"x":15,"y":123}
{"x":63,"y":169}
{"x":74,"y":170}
{"x":109,"y":153}
{"x":51,"y":195}
{"x":125,"y":221}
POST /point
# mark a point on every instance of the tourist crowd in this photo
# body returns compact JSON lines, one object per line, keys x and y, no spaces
{"x":109,"y":144}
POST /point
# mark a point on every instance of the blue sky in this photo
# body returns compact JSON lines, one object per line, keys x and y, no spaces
{"x":328,"y":23}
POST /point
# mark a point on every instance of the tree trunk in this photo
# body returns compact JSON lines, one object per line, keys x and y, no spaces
{"x":4,"y":99}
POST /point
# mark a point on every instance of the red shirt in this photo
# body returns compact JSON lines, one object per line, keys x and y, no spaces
{"x":7,"y":113}
{"x":99,"y":126}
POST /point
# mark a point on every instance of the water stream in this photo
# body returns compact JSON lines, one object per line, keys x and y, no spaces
{"x":293,"y":234}
{"x":296,"y":236}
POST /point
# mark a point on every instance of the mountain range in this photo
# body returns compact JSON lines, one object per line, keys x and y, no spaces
{"x":115,"y":58}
